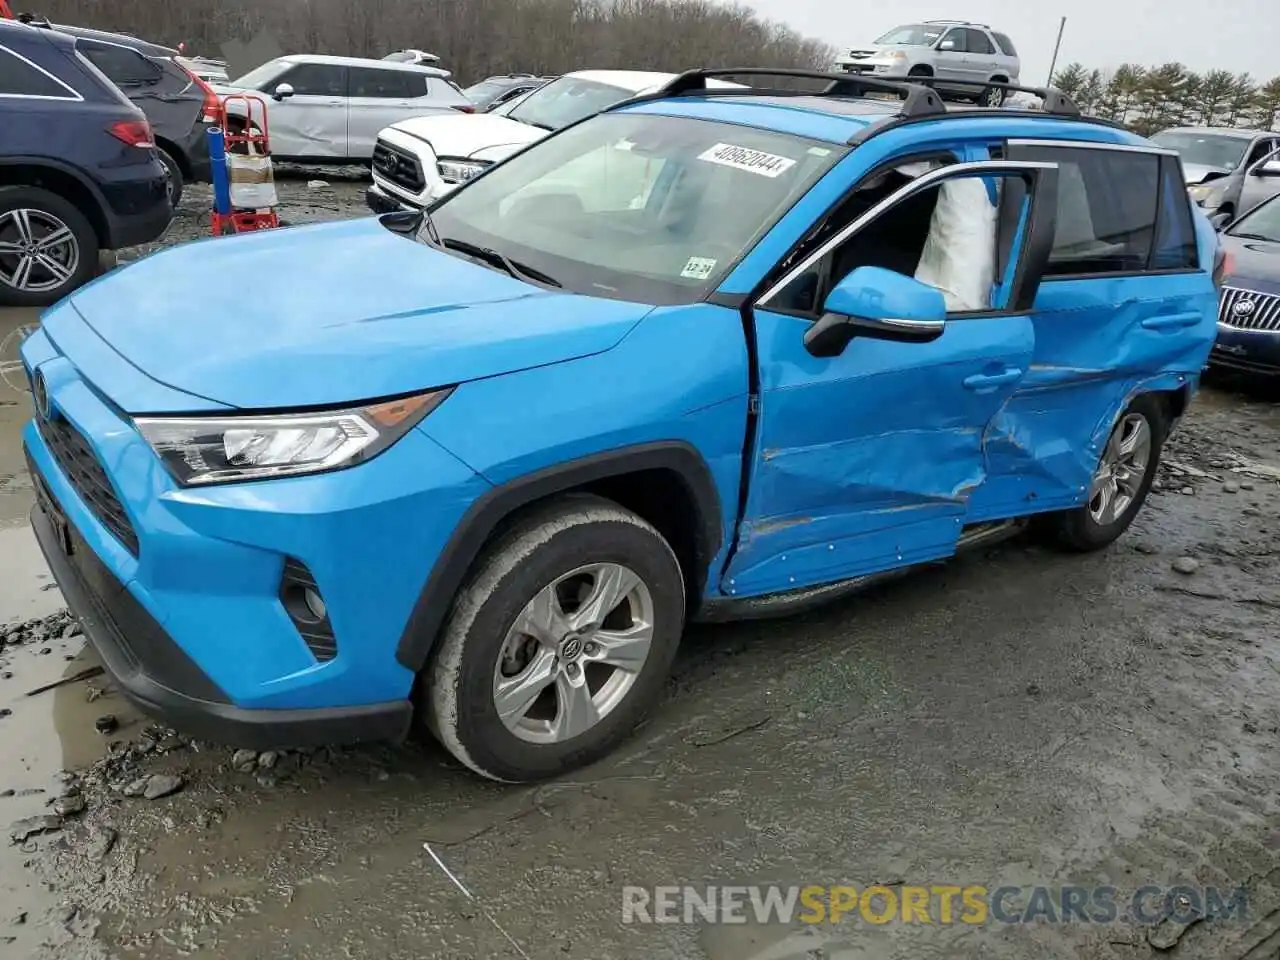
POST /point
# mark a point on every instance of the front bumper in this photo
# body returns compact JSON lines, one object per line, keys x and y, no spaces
{"x":156,"y":675}
{"x":379,"y":201}
{"x":1247,"y":351}
{"x":183,"y":591}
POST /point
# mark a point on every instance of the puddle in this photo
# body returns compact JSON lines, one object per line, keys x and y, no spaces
{"x":41,"y":736}
{"x":15,"y":409}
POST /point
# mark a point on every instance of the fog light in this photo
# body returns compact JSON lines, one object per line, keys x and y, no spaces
{"x":314,"y":603}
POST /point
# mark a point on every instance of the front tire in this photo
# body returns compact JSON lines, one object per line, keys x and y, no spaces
{"x":48,"y":248}
{"x":1120,"y":482}
{"x":559,"y":644}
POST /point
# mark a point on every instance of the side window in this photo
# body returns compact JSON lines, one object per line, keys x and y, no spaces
{"x":1260,"y":150}
{"x":951,"y":236}
{"x":1006,"y":45}
{"x":21,"y":78}
{"x":979,"y":42}
{"x":122,"y":66}
{"x":1107,"y":204}
{"x":954,"y":37}
{"x":1175,"y":231}
{"x":314,"y":80}
{"x":387,"y":84}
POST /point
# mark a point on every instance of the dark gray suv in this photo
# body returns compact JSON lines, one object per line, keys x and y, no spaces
{"x":178,"y":104}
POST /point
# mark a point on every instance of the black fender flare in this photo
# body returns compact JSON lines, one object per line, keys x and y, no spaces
{"x":61,"y":166}
{"x":485,"y":515}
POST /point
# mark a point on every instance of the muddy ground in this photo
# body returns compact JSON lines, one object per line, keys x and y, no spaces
{"x":1015,"y":717}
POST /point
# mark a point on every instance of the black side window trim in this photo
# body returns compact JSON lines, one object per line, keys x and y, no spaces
{"x":69,"y":92}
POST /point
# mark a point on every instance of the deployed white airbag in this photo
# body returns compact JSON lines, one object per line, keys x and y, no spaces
{"x":959,"y":255}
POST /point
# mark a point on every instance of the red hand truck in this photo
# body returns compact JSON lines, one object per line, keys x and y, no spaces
{"x":254,"y":139}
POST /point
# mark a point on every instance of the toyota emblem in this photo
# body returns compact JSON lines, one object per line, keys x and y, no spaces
{"x":40,"y":395}
{"x":1243,"y":308}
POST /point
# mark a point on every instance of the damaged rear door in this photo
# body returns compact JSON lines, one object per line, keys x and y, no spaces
{"x":866,"y":461}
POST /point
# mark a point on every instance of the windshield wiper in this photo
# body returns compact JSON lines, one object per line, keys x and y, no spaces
{"x":518,"y":270}
{"x":1254,"y":236}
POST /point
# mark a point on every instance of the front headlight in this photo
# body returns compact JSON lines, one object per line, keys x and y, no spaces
{"x":459,"y":171}
{"x":1200,"y":192}
{"x":203,"y":450}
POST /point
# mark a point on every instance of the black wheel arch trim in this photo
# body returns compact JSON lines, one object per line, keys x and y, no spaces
{"x":86,"y":181}
{"x":488,"y":512}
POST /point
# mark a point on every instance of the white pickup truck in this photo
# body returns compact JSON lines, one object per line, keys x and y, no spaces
{"x":417,"y":160}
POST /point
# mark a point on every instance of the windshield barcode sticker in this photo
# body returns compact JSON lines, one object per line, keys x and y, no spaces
{"x":698,"y":268}
{"x":744,"y":158}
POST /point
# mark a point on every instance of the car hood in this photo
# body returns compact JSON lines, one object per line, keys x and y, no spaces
{"x":333,"y":313}
{"x":463,"y":135}
{"x":1256,"y":261}
{"x":1196,"y":172}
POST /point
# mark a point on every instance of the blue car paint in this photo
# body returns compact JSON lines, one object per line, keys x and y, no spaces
{"x":273,"y":342}
{"x":867,"y":461}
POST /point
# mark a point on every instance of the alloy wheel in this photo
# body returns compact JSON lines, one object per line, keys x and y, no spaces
{"x":38,"y":252}
{"x":574,"y":653}
{"x":995,"y":97}
{"x":1121,"y":470}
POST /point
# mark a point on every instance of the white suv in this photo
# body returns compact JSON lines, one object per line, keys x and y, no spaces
{"x":323,"y":109}
{"x":966,"y":58}
{"x":415,"y":161}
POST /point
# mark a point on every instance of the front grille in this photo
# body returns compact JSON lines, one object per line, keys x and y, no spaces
{"x":398,"y":166}
{"x":1249,"y":310}
{"x":76,"y":459}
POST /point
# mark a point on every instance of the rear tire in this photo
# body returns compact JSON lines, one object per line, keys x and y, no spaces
{"x":48,"y":248}
{"x":1121,"y":481}
{"x":993,"y":97}
{"x":526,"y":630}
{"x":173,"y":176}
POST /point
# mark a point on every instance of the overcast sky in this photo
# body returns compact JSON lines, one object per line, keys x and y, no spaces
{"x":1232,"y":35}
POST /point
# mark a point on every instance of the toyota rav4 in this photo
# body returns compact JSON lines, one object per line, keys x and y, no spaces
{"x":709,"y":353}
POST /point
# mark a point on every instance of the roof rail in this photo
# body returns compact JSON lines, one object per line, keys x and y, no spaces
{"x":1054,"y":100}
{"x":917,"y":100}
{"x":962,"y":23}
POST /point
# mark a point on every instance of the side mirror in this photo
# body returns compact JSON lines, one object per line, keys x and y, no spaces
{"x":1220,"y":220}
{"x":947,"y":45}
{"x":283,"y":91}
{"x":878,"y":303}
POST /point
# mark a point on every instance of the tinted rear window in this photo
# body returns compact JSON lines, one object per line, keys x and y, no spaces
{"x":1107,"y":206}
{"x":387,"y":84}
{"x":120,"y":64}
{"x":20,"y":78}
{"x":1005,"y":43}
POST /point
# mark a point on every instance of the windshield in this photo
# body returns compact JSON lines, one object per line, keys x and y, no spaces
{"x":255,"y":78}
{"x":1261,"y":223}
{"x":567,"y":101}
{"x":636,"y":207}
{"x":1205,"y":149}
{"x":914,"y":35}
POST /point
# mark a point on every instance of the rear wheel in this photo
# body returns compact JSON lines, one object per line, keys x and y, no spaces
{"x":994,"y":97}
{"x":1120,"y":482}
{"x":559,"y":644}
{"x":47,"y":247}
{"x":173,"y":176}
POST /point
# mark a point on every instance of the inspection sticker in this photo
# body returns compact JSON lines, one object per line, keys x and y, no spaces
{"x":744,"y":158}
{"x":698,"y":268}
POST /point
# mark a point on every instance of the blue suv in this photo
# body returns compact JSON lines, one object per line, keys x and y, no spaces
{"x":708,"y":354}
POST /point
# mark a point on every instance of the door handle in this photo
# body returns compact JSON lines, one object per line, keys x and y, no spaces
{"x":1172,"y":321}
{"x":989,"y":381}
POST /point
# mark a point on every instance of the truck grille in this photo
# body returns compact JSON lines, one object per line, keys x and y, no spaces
{"x":1249,"y":310}
{"x":398,"y":166}
{"x":75,"y":458}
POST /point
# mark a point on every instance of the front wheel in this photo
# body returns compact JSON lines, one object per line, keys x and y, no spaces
{"x":559,"y":644}
{"x":1120,"y":482}
{"x":993,"y":97}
